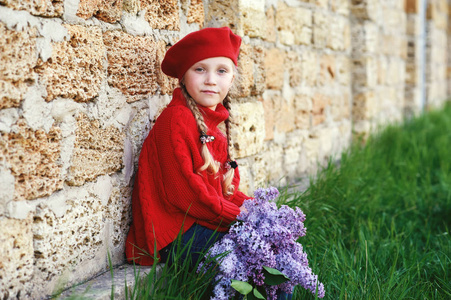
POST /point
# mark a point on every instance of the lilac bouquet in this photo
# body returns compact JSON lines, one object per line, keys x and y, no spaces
{"x":259,"y":255}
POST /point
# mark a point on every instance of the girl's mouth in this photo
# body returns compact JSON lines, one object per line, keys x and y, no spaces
{"x":209,"y":92}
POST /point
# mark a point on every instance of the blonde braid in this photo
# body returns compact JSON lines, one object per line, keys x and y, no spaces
{"x":227,"y":185}
{"x":210,"y":164}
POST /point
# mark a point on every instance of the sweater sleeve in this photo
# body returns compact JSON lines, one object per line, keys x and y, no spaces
{"x":184,"y":188}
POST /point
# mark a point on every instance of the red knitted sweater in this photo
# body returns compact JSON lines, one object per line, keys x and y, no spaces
{"x":168,"y":192}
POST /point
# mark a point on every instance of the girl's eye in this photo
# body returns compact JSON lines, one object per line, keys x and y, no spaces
{"x":222,"y":71}
{"x":199,"y":69}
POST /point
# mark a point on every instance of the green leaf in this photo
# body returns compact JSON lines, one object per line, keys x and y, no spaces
{"x":242,"y":287}
{"x":274,"y":276}
{"x":258,"y":295}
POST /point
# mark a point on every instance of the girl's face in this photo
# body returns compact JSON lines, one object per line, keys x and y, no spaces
{"x":208,"y":81}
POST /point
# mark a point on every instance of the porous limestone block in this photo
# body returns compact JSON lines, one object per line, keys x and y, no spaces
{"x":271,"y":34}
{"x":345,"y":132}
{"x":310,"y":154}
{"x":382,"y":69}
{"x":366,"y":9}
{"x":303,"y":106}
{"x":340,"y":106}
{"x":244,"y":17}
{"x":284,"y":113}
{"x":251,"y":72}
{"x":33,"y":158}
{"x":16,"y":265}
{"x":252,"y":174}
{"x":339,"y":34}
{"x":18,"y":57}
{"x":167,"y":84}
{"x":97,"y":151}
{"x":343,"y":69}
{"x":413,"y":102}
{"x":223,"y":13}
{"x":309,"y":67}
{"x":259,"y":175}
{"x":320,"y":3}
{"x":366,"y":38}
{"x":393,"y":21}
{"x":293,"y":63}
{"x":275,"y":68}
{"x":105,"y":10}
{"x":361,"y":130}
{"x":69,"y":243}
{"x":327,"y":70}
{"x":248,"y":132}
{"x":393,"y":45}
{"x":246,"y":181}
{"x":292,"y":150}
{"x":272,"y":157}
{"x":294,"y":33}
{"x":253,"y":17}
{"x":75,"y":69}
{"x":365,"y":72}
{"x":318,"y":147}
{"x":131,"y":6}
{"x":412,"y":71}
{"x":119,"y":217}
{"x":395,"y":72}
{"x":331,"y":143}
{"x":437,"y":13}
{"x":404,"y":47}
{"x":162,"y":14}
{"x":320,"y":102}
{"x":390,"y":105}
{"x":44,"y":8}
{"x":412,"y":49}
{"x":411,"y":6}
{"x":132,"y":64}
{"x":194,"y":10}
{"x":268,"y":108}
{"x":363,"y":106}
{"x":340,"y":6}
{"x":321,"y":30}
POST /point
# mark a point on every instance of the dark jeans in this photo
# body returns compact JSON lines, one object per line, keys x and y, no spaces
{"x":201,"y":238}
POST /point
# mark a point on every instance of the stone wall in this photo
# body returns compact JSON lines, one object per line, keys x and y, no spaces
{"x":379,"y":52}
{"x":80,"y":88}
{"x":416,"y":55}
{"x":436,"y":52}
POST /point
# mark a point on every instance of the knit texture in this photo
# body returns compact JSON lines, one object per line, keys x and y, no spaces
{"x":168,"y":193}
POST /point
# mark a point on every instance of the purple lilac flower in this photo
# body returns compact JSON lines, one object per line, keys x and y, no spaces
{"x":264,"y":236}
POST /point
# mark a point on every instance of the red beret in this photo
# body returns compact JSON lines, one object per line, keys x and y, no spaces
{"x":199,"y":45}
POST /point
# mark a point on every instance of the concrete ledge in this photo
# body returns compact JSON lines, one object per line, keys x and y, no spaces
{"x":99,"y":288}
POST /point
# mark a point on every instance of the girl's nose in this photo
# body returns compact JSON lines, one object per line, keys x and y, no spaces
{"x":210,"y":78}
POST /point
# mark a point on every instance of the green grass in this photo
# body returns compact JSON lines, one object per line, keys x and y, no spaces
{"x":377,"y":224}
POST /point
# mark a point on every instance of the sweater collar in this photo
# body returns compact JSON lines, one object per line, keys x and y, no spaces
{"x":211,"y":117}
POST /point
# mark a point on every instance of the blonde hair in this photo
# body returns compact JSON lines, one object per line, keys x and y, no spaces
{"x":210,"y":164}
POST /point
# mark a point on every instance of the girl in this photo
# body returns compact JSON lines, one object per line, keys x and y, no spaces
{"x":187,"y":180}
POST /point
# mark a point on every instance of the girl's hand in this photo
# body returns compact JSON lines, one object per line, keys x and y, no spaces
{"x":243,"y":209}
